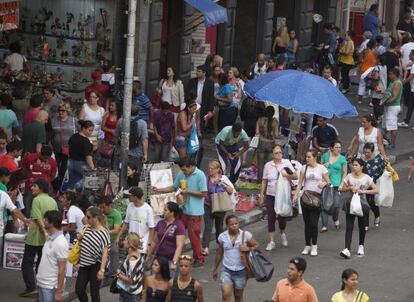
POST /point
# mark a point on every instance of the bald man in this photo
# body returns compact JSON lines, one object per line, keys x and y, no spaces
{"x":34,"y":134}
{"x":260,"y":67}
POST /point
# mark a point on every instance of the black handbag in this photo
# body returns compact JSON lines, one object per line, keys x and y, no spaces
{"x":113,"y":288}
{"x":328,"y":200}
{"x":260,"y":266}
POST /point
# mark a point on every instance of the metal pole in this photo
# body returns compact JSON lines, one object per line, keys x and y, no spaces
{"x":129,"y":73}
{"x":347,"y":14}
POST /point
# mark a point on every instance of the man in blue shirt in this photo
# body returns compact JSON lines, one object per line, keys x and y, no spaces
{"x":192,"y":183}
{"x":143,"y":102}
{"x":324,"y":134}
{"x":372,"y":22}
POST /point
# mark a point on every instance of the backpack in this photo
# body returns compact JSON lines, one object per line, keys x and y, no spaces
{"x":133,"y":134}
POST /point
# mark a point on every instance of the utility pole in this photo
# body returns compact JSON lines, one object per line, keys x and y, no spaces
{"x":129,"y":73}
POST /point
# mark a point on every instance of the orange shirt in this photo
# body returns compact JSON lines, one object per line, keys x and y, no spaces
{"x":7,"y":161}
{"x":368,"y":61}
{"x":301,"y":292}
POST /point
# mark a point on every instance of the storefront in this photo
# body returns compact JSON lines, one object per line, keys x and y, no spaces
{"x":65,"y":40}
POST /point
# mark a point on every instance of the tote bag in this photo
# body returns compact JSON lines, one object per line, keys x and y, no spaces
{"x":220,"y":201}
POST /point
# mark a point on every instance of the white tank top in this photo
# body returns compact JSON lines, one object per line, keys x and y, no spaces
{"x":370,"y":138}
{"x":96,"y":118}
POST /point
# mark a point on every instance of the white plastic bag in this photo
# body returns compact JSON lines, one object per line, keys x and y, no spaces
{"x":355,"y":208}
{"x":254,"y":143}
{"x":283,"y":204}
{"x":173,"y":156}
{"x":385,"y":197}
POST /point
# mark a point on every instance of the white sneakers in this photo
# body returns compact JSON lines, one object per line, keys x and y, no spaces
{"x":306,"y":250}
{"x":284,"y":240}
{"x":314,"y":250}
{"x":402,"y":125}
{"x":270,"y":246}
{"x":345,"y":253}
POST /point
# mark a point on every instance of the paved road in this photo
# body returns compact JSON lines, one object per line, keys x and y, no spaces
{"x":385,"y":271}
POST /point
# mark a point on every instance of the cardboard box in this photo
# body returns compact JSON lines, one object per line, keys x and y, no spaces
{"x":13,"y":251}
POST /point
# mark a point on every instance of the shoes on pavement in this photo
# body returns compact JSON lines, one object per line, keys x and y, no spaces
{"x":360,"y":250}
{"x":337,"y":225}
{"x":324,"y":229}
{"x":28,"y":293}
{"x":366,"y":228}
{"x":270,"y":246}
{"x":314,"y":250}
{"x":284,"y":240}
{"x":345,"y":253}
{"x":402,"y":125}
{"x":204,"y":251}
{"x":377,"y":222}
{"x":370,"y":104}
{"x":306,"y":250}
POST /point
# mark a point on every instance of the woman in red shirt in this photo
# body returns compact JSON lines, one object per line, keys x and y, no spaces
{"x":110,"y":121}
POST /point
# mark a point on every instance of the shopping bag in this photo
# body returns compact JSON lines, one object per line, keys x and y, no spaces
{"x":328,"y":200}
{"x":221,"y":202}
{"x":394,"y":174}
{"x":74,"y":255}
{"x":355,"y":208}
{"x":193,"y":143}
{"x":385,"y":197}
{"x":254,"y":142}
{"x":283,"y":204}
{"x":260,"y":266}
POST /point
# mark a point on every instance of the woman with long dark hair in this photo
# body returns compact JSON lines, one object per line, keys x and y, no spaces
{"x":110,"y":120}
{"x":80,"y":153}
{"x":171,"y":90}
{"x":349,"y":288}
{"x":313,"y":177}
{"x":186,"y":120}
{"x":93,"y":255}
{"x":156,"y":284}
{"x":75,"y":215}
{"x":356,"y":182}
{"x":170,"y":235}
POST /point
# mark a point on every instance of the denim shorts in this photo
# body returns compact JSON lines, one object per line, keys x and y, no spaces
{"x":181,"y":142}
{"x":235,"y":278}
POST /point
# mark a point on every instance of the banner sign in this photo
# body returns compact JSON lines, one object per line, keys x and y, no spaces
{"x":9,"y":15}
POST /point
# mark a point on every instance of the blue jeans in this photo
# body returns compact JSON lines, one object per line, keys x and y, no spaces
{"x":235,"y":164}
{"x":75,"y":170}
{"x":127,"y":297}
{"x":46,"y":294}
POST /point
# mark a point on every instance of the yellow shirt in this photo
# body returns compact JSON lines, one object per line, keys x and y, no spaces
{"x":347,"y":58}
{"x":338,"y":297}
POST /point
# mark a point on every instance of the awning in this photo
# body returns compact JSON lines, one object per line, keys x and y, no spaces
{"x":213,"y":13}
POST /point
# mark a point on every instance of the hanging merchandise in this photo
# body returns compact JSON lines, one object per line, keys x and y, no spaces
{"x":9,"y":12}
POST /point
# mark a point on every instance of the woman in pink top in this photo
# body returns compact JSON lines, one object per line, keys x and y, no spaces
{"x":36,"y":102}
{"x":313,"y":177}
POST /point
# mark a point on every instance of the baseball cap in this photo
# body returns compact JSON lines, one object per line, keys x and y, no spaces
{"x":134,"y":191}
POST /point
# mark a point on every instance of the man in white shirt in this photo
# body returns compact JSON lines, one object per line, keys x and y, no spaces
{"x":52,"y":268}
{"x":139,"y":218}
{"x":408,"y":46}
{"x":366,"y":36}
{"x":327,"y":75}
{"x":409,"y":102}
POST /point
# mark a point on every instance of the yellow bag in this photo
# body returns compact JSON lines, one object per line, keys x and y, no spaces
{"x":74,"y":255}
{"x":394,"y":175}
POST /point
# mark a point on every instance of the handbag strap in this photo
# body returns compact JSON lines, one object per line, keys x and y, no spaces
{"x":359,"y":296}
{"x":162,"y":239}
{"x":304,"y":177}
{"x":82,"y":233}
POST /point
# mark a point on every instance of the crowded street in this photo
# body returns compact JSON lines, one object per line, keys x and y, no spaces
{"x":206,"y":150}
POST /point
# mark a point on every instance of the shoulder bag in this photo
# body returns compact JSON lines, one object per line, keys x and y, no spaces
{"x":220,"y":201}
{"x":245,"y":260}
{"x":149,"y":259}
{"x":74,"y":255}
{"x":261,"y":267}
{"x":310,"y":199}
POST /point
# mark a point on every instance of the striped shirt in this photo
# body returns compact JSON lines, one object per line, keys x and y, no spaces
{"x":133,"y":268}
{"x":93,"y":243}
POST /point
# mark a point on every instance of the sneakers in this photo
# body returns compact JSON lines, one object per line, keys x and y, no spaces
{"x":345,"y":253}
{"x":270,"y":246}
{"x":314,"y":250}
{"x":284,"y":240}
{"x":28,"y":293}
{"x":361,"y":250}
{"x":324,"y":229}
{"x":306,"y":250}
{"x":402,"y":125}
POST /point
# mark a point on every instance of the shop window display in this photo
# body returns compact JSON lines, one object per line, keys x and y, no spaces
{"x":64,"y":41}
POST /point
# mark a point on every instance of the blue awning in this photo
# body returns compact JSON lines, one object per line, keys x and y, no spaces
{"x":213,"y":13}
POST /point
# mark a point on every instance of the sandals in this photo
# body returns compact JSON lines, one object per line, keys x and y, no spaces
{"x":204,"y":252}
{"x":377,"y":222}
{"x":338,"y":226}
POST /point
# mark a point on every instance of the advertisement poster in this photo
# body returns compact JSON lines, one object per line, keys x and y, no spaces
{"x":13,"y":254}
{"x":9,"y":15}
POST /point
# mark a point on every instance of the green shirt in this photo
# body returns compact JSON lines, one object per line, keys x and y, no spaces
{"x":226,"y":135}
{"x":335,"y":169}
{"x":41,"y":204}
{"x":390,"y":90}
{"x":34,"y":133}
{"x":114,"y":218}
{"x":4,"y":189}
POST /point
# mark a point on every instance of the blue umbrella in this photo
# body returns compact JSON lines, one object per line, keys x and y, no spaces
{"x":302,"y":92}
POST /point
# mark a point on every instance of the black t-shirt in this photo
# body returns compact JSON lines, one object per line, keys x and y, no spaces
{"x":325,"y":136}
{"x":79,"y":147}
{"x":391,"y":60}
{"x":408,"y":27}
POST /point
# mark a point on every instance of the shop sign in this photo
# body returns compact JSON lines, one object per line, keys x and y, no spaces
{"x":9,"y":15}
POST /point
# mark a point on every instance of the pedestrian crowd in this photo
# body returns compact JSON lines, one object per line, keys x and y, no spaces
{"x":48,"y":146}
